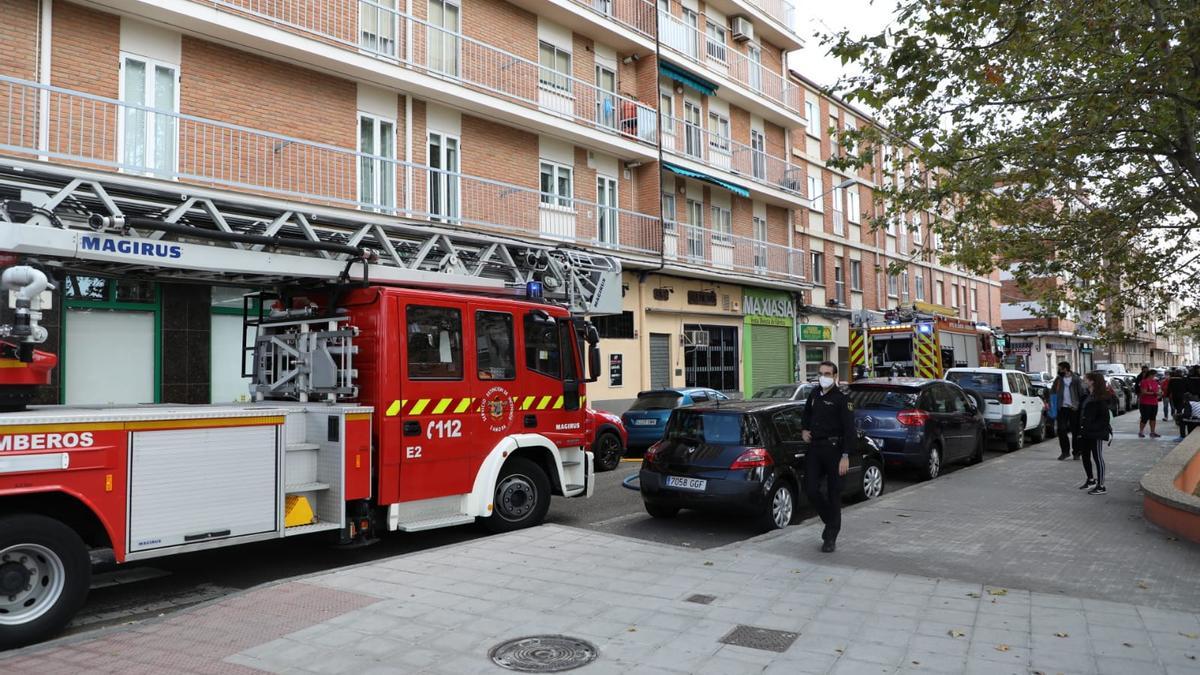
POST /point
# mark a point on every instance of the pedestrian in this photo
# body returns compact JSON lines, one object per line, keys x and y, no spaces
{"x":828,"y":428}
{"x":1193,"y":381}
{"x":1176,"y":393}
{"x":1148,"y":395}
{"x":1069,"y":391}
{"x":1145,"y":370}
{"x":1095,"y":426}
{"x":1165,"y":391}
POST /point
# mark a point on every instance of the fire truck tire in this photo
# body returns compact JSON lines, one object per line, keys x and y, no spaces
{"x":45,"y":572}
{"x":522,"y":496}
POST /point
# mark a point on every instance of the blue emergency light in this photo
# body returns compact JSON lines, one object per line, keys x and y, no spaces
{"x":925,"y":328}
{"x":533,"y":289}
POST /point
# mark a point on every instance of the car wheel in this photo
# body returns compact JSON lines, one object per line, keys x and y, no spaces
{"x":933,"y":465}
{"x":977,"y":454}
{"x":1039,"y":434}
{"x":661,"y":511}
{"x":872,"y":480}
{"x":45,"y":573}
{"x":522,"y":496}
{"x":1017,"y":441}
{"x":608,"y":451}
{"x":780,"y":507}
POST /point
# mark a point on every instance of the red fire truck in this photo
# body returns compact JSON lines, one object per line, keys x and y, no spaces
{"x":404,"y":378}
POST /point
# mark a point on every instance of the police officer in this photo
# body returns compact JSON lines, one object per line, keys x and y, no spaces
{"x":828,"y":428}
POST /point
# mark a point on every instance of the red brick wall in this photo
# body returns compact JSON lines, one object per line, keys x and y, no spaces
{"x":86,"y":47}
{"x":500,"y":24}
{"x":494,"y":151}
{"x":19,"y":38}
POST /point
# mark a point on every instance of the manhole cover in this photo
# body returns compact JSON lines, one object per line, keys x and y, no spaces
{"x":760,"y":638}
{"x":701,"y":599}
{"x":543,"y":654}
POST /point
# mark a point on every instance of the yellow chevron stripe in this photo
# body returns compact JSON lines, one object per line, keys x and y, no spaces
{"x":442,"y":405}
{"x":528,"y":402}
{"x":582,"y":399}
{"x":543,"y":403}
{"x":463,"y":405}
{"x":394,"y":408}
{"x":558,"y":403}
{"x":419,"y":406}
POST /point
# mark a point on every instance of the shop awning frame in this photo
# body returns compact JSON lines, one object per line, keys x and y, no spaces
{"x":688,"y":79}
{"x":688,"y":173}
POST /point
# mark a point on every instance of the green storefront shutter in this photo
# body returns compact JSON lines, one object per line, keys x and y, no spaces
{"x":771,"y":350}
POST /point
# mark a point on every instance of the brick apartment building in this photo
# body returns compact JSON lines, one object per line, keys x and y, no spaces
{"x":539,"y":119}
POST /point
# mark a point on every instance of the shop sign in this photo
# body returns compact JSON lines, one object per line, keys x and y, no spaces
{"x":773,"y":306}
{"x":1020,"y":348}
{"x":615,"y":370}
{"x":813,"y":332}
{"x":1058,"y":346}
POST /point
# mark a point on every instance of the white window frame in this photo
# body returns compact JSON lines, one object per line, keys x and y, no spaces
{"x":378,"y":203}
{"x":718,"y":132}
{"x":939,"y":292}
{"x":670,"y":216}
{"x":555,"y":199}
{"x":812,"y":112}
{"x":853,"y":205}
{"x":667,"y":97}
{"x":816,"y":188}
{"x":693,"y":132}
{"x":444,"y":34}
{"x":856,"y":276}
{"x":974,"y":299}
{"x":893,"y":285}
{"x":451,"y":182}
{"x":759,"y":234}
{"x":758,"y":154}
{"x":754,"y":59}
{"x":817,"y":259}
{"x":614,"y":211}
{"x":716,"y":41}
{"x":920,"y":284}
{"x":152,"y":66}
{"x":904,"y":285}
{"x":371,"y":40}
{"x":550,"y":77}
{"x":722,"y":224}
{"x":695,"y":230}
{"x":849,"y":126}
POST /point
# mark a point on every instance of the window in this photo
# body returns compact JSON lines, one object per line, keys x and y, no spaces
{"x":607,"y":231}
{"x":810,"y":115}
{"x":692,"y":21}
{"x":434,"y":343}
{"x":816,"y":188}
{"x":443,"y":30}
{"x":669,"y":218}
{"x":839,"y":223}
{"x":920,"y":281}
{"x":542,"y":345}
{"x":939,"y":292}
{"x":760,"y":243}
{"x":856,"y":275}
{"x":715,"y":365}
{"x":904,"y":285}
{"x":557,"y":185}
{"x":818,"y":267}
{"x":695,"y":230}
{"x":852,"y":205}
{"x":722,"y":224}
{"x":718,"y":132}
{"x":377,"y":22}
{"x":494,"y":346}
{"x":606,"y":97}
{"x":916,"y":228}
{"x":443,"y":176}
{"x":148,"y":137}
{"x":754,"y":56}
{"x":974,"y":299}
{"x":839,"y":279}
{"x":555,"y":72}
{"x":954,"y":291}
{"x":693,"y":134}
{"x":893,"y":285}
{"x":715,"y":41}
{"x":758,"y":154}
{"x":666,"y":105}
{"x":853,"y":146}
{"x":615,"y":326}
{"x":377,"y":164}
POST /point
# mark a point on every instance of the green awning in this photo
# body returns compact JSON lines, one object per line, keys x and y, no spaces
{"x":684,"y":77}
{"x":735,"y":189}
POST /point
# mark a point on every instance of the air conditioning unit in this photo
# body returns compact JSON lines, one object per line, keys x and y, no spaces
{"x":834,"y":302}
{"x":743,"y":30}
{"x":695,"y":338}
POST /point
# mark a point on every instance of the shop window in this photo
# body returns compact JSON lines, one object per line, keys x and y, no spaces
{"x":434,"y":343}
{"x":494,"y":346}
{"x":99,"y":289}
{"x":714,"y":365}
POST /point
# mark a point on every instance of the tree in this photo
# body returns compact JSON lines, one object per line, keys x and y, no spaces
{"x":1058,"y":136}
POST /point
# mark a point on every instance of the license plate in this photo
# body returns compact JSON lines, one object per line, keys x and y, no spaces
{"x":686,"y":483}
{"x":645,"y":423}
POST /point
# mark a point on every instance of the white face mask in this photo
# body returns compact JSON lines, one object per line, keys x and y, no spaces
{"x":825,"y":382}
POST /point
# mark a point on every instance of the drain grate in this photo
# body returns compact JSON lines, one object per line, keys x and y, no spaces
{"x":543,"y":654}
{"x":754,"y":637}
{"x":701,"y":599}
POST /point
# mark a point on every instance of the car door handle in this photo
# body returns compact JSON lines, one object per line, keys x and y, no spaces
{"x":530,"y":421}
{"x":412,"y":428}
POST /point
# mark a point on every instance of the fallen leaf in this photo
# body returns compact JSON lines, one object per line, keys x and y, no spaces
{"x":631,"y":629}
{"x":886,"y":522}
{"x":1001,"y":648}
{"x":954,"y":632}
{"x":797,"y":571}
{"x":1191,"y":656}
{"x":1127,"y":644}
{"x":1142,"y":584}
{"x":997,"y":591}
{"x":840,"y":650}
{"x":829,"y":580}
{"x":708,"y":563}
{"x":904,"y":515}
{"x":916,"y":663}
{"x":1190,"y":636}
{"x":972,"y":594}
{"x":1061,"y":634}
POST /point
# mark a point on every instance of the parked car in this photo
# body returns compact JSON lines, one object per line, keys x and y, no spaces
{"x":798,"y":391}
{"x":647,"y":417}
{"x":1124,"y":397}
{"x":607,"y":438}
{"x":1130,"y":381}
{"x":919,"y":422}
{"x":742,"y":456}
{"x":1042,"y":389}
{"x":1042,"y":377}
{"x":1012,"y":409}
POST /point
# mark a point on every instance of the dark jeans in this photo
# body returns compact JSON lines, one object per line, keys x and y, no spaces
{"x":1166,"y":408}
{"x":1093,"y":450}
{"x":1067,"y":423}
{"x":821,"y":467}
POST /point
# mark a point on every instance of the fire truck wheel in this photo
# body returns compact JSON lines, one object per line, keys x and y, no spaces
{"x":45,"y":572}
{"x":608,"y":451}
{"x":522,"y":496}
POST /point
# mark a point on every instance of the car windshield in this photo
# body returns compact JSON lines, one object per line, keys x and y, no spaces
{"x":657,"y":400}
{"x":977,"y":381}
{"x":782,"y":391}
{"x":883,"y":398}
{"x":713,"y":428}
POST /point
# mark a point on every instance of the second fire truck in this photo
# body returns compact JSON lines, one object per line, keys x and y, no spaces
{"x":919,"y":344}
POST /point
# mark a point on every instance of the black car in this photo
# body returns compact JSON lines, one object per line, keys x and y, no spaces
{"x":919,"y":422}
{"x":743,"y":456}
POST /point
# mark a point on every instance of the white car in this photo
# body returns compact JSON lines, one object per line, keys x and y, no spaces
{"x":1012,"y":409}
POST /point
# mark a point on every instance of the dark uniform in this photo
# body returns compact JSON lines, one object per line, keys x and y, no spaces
{"x":830,"y":418}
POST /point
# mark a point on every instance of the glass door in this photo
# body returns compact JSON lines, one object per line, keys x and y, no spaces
{"x":443,"y":37}
{"x":606,"y":207}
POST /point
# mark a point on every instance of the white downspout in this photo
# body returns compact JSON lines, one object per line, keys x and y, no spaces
{"x":44,"y":51}
{"x":408,"y":154}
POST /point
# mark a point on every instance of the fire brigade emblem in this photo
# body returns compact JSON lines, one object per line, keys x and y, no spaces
{"x":497,"y":409}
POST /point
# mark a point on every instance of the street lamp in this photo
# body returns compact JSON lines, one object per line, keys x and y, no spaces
{"x":844,"y":184}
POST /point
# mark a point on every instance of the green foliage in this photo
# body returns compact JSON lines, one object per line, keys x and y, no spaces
{"x":1058,"y":137}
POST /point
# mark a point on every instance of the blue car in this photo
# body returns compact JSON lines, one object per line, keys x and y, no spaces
{"x":920,"y":423}
{"x":647,"y":418}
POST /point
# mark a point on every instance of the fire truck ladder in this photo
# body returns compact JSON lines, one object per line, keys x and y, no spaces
{"x":78,"y":221}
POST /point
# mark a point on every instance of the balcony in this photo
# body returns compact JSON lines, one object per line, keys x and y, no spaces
{"x":626,"y":25}
{"x":372,"y":42}
{"x":746,"y":82}
{"x":772,"y":177}
{"x":697,"y":246}
{"x":97,"y":132}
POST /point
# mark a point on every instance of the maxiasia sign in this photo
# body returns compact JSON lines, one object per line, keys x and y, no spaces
{"x":779,"y":306}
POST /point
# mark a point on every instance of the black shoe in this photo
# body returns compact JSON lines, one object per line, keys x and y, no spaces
{"x":1063,"y":456}
{"x":828,"y":547}
{"x":1077,"y":457}
{"x":1089,"y":484}
{"x":1098,"y":490}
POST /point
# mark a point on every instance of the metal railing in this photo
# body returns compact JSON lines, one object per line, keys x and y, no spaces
{"x":723,"y":59}
{"x":781,"y":10}
{"x":635,"y":14}
{"x":698,"y":245}
{"x":382,"y":31}
{"x":100,"y":132}
{"x":692,"y":141}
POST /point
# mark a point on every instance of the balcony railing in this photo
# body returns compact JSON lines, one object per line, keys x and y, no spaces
{"x":692,"y":141}
{"x":634,"y":14}
{"x":383,"y":32}
{"x":99,"y":132}
{"x":724,"y":60}
{"x":698,"y":245}
{"x":781,"y":10}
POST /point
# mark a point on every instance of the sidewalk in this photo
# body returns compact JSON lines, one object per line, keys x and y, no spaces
{"x":999,"y":568}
